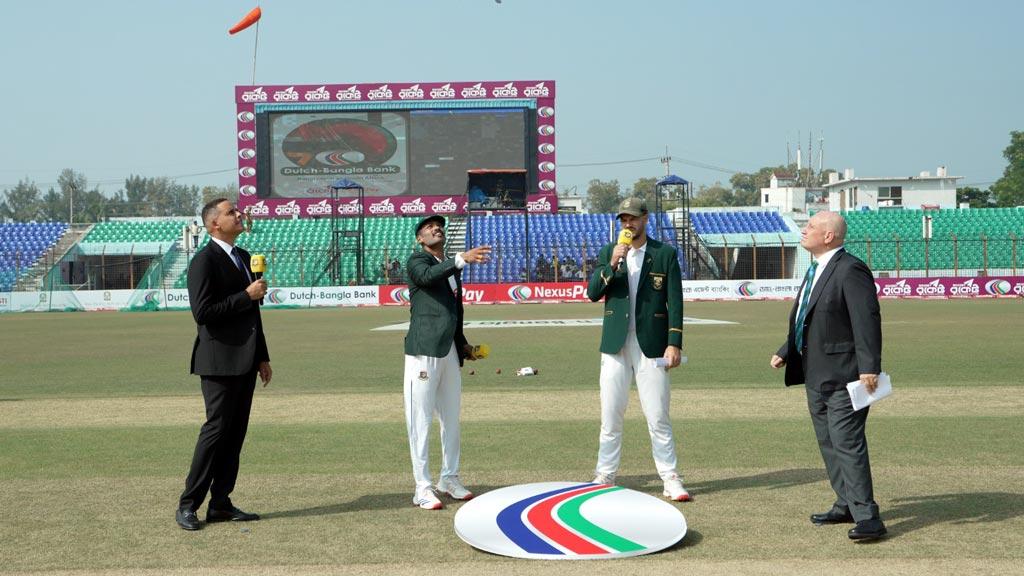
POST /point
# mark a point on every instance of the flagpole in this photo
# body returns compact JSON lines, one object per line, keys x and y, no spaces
{"x":255,"y":45}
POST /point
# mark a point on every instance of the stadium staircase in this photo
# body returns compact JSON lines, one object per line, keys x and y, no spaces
{"x":456,"y":234}
{"x":177,"y":263}
{"x":704,"y":265}
{"x":32,"y":280}
{"x":733,"y":234}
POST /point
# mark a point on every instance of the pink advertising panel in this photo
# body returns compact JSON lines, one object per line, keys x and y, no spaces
{"x":954,"y":287}
{"x":518,"y":293}
{"x":408,"y":145}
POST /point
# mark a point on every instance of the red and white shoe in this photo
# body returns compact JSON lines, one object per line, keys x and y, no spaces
{"x":674,"y":489}
{"x":451,"y":486}
{"x":426,"y":499}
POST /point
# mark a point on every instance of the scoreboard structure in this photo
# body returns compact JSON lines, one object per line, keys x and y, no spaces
{"x":414,"y":148}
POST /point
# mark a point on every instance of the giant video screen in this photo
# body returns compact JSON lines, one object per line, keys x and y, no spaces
{"x":421,"y":152}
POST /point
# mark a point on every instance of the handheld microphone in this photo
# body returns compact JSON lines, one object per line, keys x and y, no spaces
{"x":625,"y":237}
{"x":258,"y":265}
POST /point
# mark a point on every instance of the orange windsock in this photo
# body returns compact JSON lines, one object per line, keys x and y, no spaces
{"x":249,"y":20}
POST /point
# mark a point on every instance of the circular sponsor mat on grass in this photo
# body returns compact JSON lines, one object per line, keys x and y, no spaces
{"x":569,"y":521}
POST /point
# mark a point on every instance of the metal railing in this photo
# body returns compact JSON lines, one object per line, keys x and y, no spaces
{"x":311,"y":266}
{"x":954,"y":256}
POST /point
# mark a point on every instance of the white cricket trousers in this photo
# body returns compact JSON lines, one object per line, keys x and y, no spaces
{"x":652,"y":383}
{"x":433,"y":385}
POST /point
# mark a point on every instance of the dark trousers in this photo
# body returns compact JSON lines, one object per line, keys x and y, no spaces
{"x":844,"y":448}
{"x":215,"y":461}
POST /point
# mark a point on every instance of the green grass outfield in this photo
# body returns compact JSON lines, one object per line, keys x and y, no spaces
{"x":98,"y":418}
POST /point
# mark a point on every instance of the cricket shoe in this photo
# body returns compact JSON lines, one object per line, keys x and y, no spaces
{"x":451,"y":486}
{"x":674,"y":489}
{"x":426,"y":499}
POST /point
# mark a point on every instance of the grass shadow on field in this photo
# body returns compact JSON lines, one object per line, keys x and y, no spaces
{"x":362,"y":504}
{"x":691,"y":539}
{"x":917,"y":512}
{"x":776,"y":480}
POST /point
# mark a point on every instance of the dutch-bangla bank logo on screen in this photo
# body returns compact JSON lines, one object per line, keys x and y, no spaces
{"x":569,"y":521}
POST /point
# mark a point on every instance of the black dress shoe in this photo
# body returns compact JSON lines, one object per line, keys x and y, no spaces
{"x":233,"y":515}
{"x":868,"y":530}
{"x":833,"y":516}
{"x":187,"y":519}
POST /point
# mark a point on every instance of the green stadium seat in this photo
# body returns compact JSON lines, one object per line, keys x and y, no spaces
{"x":969,"y":226}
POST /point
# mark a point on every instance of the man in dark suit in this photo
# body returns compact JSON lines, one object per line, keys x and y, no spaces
{"x":641,"y":338}
{"x":229,"y":351}
{"x":835,"y":337}
{"x":434,"y":350}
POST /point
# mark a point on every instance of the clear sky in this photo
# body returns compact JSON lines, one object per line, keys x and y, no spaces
{"x":118,"y":87}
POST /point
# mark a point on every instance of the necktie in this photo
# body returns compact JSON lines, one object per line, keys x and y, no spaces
{"x":238,"y":263}
{"x":798,"y":326}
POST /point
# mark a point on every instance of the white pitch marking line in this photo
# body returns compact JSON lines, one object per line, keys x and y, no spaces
{"x":550,"y":323}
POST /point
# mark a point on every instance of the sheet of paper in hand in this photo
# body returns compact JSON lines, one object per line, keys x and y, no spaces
{"x":860,"y":397}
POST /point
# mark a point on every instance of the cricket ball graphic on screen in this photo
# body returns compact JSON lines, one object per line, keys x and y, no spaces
{"x":569,"y":521}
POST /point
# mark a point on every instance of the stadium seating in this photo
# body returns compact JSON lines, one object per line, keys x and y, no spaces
{"x":22,"y":244}
{"x":136,"y":231}
{"x":297,"y":251}
{"x":738,"y":222}
{"x":883,"y":227}
{"x":575,"y":239}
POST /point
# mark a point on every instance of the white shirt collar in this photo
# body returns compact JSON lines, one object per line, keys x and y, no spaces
{"x":224,"y":245}
{"x":824,"y":259}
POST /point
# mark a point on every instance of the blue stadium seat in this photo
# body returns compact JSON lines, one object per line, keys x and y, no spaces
{"x":738,"y":222}
{"x":22,"y":244}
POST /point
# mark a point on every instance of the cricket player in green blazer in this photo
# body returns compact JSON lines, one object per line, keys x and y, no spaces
{"x":434,"y":350}
{"x":641,"y":338}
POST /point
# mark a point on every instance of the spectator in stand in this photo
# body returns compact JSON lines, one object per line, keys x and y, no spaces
{"x":396,"y":271}
{"x":477,"y":198}
{"x":193,"y":230}
{"x":541,"y":269}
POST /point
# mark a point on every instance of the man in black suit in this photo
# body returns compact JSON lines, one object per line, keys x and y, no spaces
{"x":835,"y":337}
{"x":229,"y":351}
{"x":434,"y":350}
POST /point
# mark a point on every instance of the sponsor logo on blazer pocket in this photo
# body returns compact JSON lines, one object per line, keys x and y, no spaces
{"x":659,"y":314}
{"x":609,"y":312}
{"x":657,"y":280}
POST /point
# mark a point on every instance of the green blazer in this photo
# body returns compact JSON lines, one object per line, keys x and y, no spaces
{"x":659,"y":300}
{"x":436,"y":312}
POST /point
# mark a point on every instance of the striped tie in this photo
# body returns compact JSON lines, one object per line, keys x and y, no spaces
{"x":238,"y":264}
{"x":798,"y":327}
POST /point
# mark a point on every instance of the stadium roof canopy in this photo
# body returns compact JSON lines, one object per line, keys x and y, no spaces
{"x":346,"y":184}
{"x":672,"y":180}
{"x":748,"y":240}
